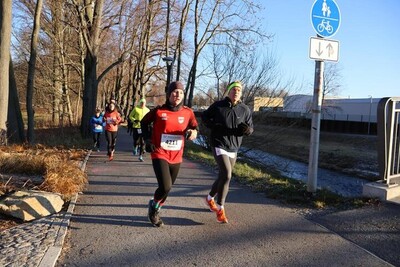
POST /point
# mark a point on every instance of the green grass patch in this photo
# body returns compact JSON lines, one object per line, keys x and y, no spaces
{"x":275,"y":186}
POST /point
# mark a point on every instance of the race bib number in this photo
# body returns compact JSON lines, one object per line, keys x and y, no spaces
{"x":139,"y":131}
{"x":98,"y":127}
{"x":110,"y":121}
{"x":171,"y":142}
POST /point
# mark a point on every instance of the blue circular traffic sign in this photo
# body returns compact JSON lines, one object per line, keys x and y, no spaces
{"x":325,"y":18}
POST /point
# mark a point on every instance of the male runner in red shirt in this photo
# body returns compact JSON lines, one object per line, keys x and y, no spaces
{"x":171,"y":123}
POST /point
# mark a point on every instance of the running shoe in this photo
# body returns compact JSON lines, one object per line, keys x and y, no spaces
{"x":141,"y":158}
{"x":154,"y":215}
{"x":221,"y":217}
{"x":211,"y":205}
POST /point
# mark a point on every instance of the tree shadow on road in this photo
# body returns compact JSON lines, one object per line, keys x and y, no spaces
{"x":134,"y":221}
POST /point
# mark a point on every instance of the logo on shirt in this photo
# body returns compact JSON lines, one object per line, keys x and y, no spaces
{"x":181,"y":119}
{"x":164,"y":116}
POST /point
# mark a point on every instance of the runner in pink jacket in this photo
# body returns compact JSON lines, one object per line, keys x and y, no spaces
{"x":112,"y":118}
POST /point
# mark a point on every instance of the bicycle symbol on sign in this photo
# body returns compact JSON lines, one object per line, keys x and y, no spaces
{"x":324,"y":25}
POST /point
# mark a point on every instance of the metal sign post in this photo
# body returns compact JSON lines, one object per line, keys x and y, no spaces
{"x":315,"y":127}
{"x":325,"y":19}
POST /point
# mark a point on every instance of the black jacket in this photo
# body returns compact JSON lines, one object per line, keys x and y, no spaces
{"x":224,"y":118}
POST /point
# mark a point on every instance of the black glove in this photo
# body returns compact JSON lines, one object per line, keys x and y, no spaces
{"x":188,"y":134}
{"x":149,"y":146}
{"x":243,"y":129}
{"x":136,"y":121}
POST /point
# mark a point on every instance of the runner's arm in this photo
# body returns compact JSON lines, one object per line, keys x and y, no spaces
{"x":146,"y":122}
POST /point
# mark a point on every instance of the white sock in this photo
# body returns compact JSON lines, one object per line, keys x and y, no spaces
{"x":220,"y":207}
{"x":209,"y":197}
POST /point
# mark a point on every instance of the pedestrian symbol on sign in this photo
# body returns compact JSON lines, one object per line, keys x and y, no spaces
{"x":326,"y":10}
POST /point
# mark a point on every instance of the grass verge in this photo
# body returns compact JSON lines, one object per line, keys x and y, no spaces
{"x":275,"y":186}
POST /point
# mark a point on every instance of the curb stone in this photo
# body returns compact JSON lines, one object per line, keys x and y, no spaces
{"x":53,"y":252}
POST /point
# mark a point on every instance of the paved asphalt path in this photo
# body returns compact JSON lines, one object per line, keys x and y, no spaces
{"x":110,"y":227}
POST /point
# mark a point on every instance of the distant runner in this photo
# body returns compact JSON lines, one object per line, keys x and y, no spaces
{"x":112,"y":118}
{"x":135,"y":117}
{"x":229,"y":120}
{"x":171,"y":123}
{"x":97,"y":128}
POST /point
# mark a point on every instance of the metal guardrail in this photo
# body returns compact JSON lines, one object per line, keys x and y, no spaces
{"x":388,"y":115}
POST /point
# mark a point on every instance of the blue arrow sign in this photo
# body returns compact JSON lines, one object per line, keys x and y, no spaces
{"x":325,"y":18}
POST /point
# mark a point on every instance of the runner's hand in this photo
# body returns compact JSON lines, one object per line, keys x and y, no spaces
{"x":191,"y":134}
{"x":149,"y":146}
{"x":244,"y":129}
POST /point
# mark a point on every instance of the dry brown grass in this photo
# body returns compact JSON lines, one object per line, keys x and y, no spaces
{"x":21,"y":163}
{"x":65,"y":178}
{"x":60,"y":168}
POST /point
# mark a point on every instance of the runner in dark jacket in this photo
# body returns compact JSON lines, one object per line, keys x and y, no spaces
{"x":229,"y":120}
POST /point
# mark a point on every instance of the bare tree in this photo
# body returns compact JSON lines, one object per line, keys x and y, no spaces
{"x":31,"y":71}
{"x":179,"y":42}
{"x":332,"y":79}
{"x":57,"y":15}
{"x":5,"y":41}
{"x":90,"y":14}
{"x":215,"y":18}
{"x":331,"y":86}
{"x":257,"y":68}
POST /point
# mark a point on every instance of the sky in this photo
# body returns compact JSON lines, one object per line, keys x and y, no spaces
{"x":369,"y":44}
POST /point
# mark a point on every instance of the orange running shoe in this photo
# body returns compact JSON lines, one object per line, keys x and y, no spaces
{"x":211,"y":204}
{"x":221,"y":217}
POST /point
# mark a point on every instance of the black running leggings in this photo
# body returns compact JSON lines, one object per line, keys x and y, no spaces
{"x":221,"y":185}
{"x":138,"y":140}
{"x":111,"y":140}
{"x":96,"y":139}
{"x":166,"y":174}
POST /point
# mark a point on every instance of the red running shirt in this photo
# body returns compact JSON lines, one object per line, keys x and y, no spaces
{"x":169,"y":128}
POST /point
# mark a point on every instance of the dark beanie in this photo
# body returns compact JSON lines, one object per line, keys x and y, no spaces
{"x":175,"y":85}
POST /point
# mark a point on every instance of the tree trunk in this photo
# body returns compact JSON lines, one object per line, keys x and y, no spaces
{"x":15,"y":120}
{"x":118,"y":84}
{"x":82,"y":76}
{"x":57,"y":46}
{"x":89,"y":93}
{"x":91,"y":20}
{"x":66,"y":103}
{"x":67,"y":100}
{"x":192,"y":82}
{"x":5,"y":43}
{"x":31,"y":71}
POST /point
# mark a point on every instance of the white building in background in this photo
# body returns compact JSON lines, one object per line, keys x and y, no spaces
{"x":341,"y":109}
{"x":297,"y":103}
